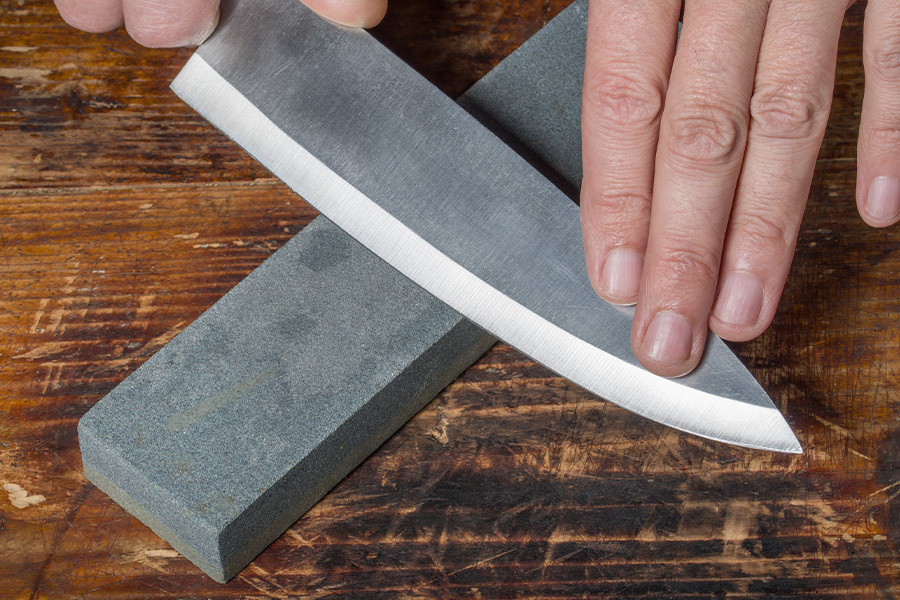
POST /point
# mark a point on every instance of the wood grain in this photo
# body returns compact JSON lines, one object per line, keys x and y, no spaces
{"x":123,"y":216}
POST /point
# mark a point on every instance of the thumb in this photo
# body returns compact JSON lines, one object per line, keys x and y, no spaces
{"x":356,"y":13}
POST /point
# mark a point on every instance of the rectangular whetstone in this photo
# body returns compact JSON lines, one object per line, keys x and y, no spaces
{"x":229,"y":434}
{"x":226,"y":436}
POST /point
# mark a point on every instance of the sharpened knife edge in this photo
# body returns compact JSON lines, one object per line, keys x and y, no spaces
{"x":729,"y":406}
{"x":364,"y":138}
{"x":231,"y":556}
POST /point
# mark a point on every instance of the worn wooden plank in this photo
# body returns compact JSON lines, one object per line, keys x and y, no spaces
{"x":123,"y":216}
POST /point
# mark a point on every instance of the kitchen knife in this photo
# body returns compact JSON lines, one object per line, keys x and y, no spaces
{"x":398,"y":165}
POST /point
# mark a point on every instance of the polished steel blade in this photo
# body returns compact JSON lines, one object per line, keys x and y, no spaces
{"x":398,"y":165}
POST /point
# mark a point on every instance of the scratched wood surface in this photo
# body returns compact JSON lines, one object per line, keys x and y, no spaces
{"x":123,"y":216}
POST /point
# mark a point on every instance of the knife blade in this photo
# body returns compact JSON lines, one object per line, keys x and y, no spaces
{"x":394,"y":162}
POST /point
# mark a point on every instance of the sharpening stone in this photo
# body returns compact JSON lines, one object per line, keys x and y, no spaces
{"x":231,"y":432}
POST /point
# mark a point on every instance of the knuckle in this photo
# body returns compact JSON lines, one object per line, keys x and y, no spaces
{"x":882,"y":60}
{"x":765,"y":232}
{"x":688,"y":267}
{"x":705,"y":134}
{"x":619,"y":215}
{"x":885,"y":133}
{"x":787,"y":111}
{"x":621,"y":202}
{"x":624,"y":101}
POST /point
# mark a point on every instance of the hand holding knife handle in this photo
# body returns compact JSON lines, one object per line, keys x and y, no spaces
{"x":188,"y":23}
{"x":734,"y":146}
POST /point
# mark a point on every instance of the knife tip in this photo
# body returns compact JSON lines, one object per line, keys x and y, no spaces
{"x":786,"y":442}
{"x":789,"y":442}
{"x":794,"y":447}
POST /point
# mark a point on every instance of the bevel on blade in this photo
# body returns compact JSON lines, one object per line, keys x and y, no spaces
{"x":395,"y":163}
{"x":752,"y":422}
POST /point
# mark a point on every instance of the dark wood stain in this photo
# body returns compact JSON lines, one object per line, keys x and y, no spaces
{"x":123,"y":216}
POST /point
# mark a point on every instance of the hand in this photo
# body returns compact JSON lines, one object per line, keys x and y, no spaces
{"x":172,"y":23}
{"x":721,"y":139}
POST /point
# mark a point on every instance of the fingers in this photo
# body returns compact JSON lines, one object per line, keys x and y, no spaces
{"x":703,"y":135}
{"x":629,"y":55}
{"x":356,"y":13}
{"x":153,"y":23}
{"x":170,"y":23}
{"x":95,"y":16}
{"x":788,"y":115}
{"x":878,"y":177}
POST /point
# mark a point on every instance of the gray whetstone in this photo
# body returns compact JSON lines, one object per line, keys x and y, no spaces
{"x":229,"y":434}
{"x":224,"y":438}
{"x":532,"y":100}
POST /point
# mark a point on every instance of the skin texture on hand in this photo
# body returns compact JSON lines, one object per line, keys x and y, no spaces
{"x":698,"y":162}
{"x":173,"y":23}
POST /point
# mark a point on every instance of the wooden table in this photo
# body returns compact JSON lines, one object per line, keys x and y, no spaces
{"x":123,"y":216}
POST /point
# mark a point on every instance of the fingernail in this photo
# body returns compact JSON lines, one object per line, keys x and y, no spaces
{"x":621,"y":276}
{"x":669,"y":339}
{"x":740,"y":300}
{"x":883,"y":201}
{"x":206,"y":31}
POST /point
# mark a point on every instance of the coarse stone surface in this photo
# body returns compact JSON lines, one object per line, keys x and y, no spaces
{"x":532,"y":100}
{"x":229,"y":434}
{"x":225,"y":437}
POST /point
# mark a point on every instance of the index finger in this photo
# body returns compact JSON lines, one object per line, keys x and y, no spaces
{"x":702,"y":140}
{"x":629,"y":54}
